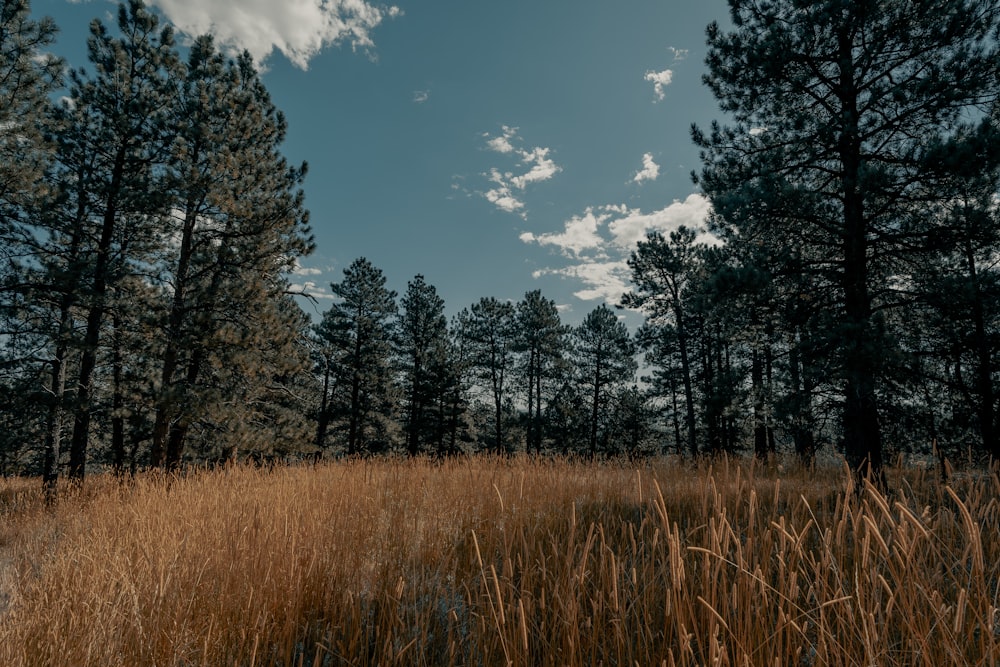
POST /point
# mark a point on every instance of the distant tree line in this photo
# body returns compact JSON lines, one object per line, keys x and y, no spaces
{"x":148,"y":223}
{"x":499,"y":377}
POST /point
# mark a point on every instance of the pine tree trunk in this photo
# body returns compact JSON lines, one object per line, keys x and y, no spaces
{"x":179,"y":428}
{"x":675,"y":416}
{"x":757,"y":389}
{"x":165,"y":410}
{"x":324,"y":407}
{"x":682,"y":345}
{"x":595,"y":408}
{"x":95,"y":318}
{"x":862,"y":433}
{"x":416,"y":410}
{"x":538,"y":412}
{"x":985,"y":395}
{"x":529,"y":440}
{"x":53,"y":436}
{"x":117,"y":400}
{"x":802,"y":433}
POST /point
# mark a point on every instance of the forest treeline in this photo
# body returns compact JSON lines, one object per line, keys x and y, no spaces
{"x":149,"y":224}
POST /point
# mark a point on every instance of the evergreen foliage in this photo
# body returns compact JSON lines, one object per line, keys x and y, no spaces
{"x":846,"y":298}
{"x":359,"y":331}
{"x":841,"y":109}
{"x":605,"y":358}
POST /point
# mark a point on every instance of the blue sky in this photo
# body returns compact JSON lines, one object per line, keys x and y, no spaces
{"x":493,"y":147}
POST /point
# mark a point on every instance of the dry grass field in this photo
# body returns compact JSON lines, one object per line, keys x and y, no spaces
{"x":486,"y":562}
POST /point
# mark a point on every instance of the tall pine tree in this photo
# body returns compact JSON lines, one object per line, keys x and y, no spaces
{"x":120,"y":116}
{"x":836,"y":104}
{"x":238,"y":226}
{"x":605,"y":357}
{"x":359,"y":328}
{"x":541,"y":339}
{"x":422,"y":340}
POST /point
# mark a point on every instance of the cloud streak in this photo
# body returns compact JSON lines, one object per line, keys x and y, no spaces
{"x":599,"y":242}
{"x":579,"y":235}
{"x":299,"y":29}
{"x":535,"y":166}
{"x":310,"y":289}
{"x":605,"y":281}
{"x":663,"y":78}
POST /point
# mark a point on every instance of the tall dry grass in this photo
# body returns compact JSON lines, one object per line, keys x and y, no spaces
{"x":483,"y":562}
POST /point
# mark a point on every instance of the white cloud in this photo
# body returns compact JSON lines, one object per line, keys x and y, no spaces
{"x":579,"y":234}
{"x":600,"y":241}
{"x":421,"y":96}
{"x":297,"y":268}
{"x":633,"y":225}
{"x":540,"y":167}
{"x":660,"y":81}
{"x":299,"y":29}
{"x":502,"y":143}
{"x":650,"y":170}
{"x":502,"y":198}
{"x":606,"y":281}
{"x":311,"y":289}
{"x":679,"y":54}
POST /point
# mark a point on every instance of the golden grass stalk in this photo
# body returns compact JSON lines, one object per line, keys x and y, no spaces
{"x":495,"y":562}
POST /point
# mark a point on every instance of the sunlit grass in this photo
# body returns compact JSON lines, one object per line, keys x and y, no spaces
{"x":486,"y":562}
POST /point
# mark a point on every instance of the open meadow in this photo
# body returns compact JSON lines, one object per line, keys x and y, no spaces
{"x":502,"y":562}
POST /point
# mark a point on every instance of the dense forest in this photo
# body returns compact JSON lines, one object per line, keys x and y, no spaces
{"x":149,"y":223}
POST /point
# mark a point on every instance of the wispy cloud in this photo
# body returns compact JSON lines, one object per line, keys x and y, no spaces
{"x":599,"y":242}
{"x":580,"y":234}
{"x":632,"y":225}
{"x":310,"y":289}
{"x":650,"y":170}
{"x":299,"y":29}
{"x":605,"y":281}
{"x":502,"y":143}
{"x":299,"y":270}
{"x":542,"y":168}
{"x":678,"y":54}
{"x":501,"y":195}
{"x":663,"y":78}
{"x":535,"y":166}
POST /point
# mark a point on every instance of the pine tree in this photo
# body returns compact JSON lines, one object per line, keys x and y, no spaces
{"x":567,"y":418}
{"x":120,"y":118}
{"x":491,"y":335}
{"x":422,"y":340}
{"x":359,"y":328}
{"x":837,"y":106}
{"x":631,"y":424}
{"x":456,"y":368}
{"x":239,"y":227}
{"x":959,"y":320}
{"x":27,"y":75}
{"x":605,"y":357}
{"x":663,"y":271}
{"x":540,"y":341}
